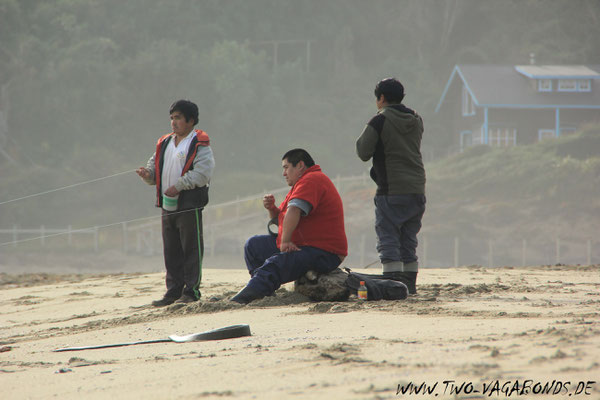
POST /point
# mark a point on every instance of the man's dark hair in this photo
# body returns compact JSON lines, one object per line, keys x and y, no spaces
{"x":294,"y":156}
{"x":187,"y":108}
{"x":391,"y":89}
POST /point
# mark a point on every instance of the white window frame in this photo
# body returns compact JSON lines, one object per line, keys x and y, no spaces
{"x":562,"y":87}
{"x":542,"y":87}
{"x":468,"y":107}
{"x":479,"y":138}
{"x":546,"y":134}
{"x":584,"y":85}
{"x":502,"y":137}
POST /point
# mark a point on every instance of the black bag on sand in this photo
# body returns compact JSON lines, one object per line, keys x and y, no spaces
{"x":378,"y":286}
{"x":338,"y":285}
{"x":324,"y":287}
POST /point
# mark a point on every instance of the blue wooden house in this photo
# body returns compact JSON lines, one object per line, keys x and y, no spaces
{"x":505,"y":105}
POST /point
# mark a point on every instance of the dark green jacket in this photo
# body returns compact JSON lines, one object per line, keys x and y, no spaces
{"x":393,"y":139}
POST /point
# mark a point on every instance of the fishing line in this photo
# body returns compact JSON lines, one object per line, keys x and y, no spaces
{"x":85,"y":229}
{"x":253,"y":197}
{"x":67,"y":187}
{"x":228,"y":203}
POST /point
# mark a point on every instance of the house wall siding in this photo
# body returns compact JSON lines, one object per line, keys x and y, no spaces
{"x":527,"y":122}
{"x":578,"y":118}
{"x":512,"y":106}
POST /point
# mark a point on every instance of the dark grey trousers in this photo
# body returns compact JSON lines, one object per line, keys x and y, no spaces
{"x":183,"y":248}
{"x":397,"y":222}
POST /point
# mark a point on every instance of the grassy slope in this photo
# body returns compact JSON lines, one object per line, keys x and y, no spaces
{"x":503,"y":196}
{"x":547,"y":189}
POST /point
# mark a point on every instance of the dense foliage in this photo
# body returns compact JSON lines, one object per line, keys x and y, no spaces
{"x":86,"y":84}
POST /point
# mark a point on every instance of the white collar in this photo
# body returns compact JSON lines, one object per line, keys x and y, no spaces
{"x":188,"y":137}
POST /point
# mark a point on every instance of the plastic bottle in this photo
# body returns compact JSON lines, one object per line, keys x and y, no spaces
{"x":362,"y":291}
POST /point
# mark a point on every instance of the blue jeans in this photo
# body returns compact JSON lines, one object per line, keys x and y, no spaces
{"x":397,"y":222}
{"x":270,"y":268}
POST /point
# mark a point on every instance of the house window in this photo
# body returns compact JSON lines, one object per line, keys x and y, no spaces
{"x":584,"y":85}
{"x":546,"y":134}
{"x":567,"y":85}
{"x":468,"y":107}
{"x":502,"y":137}
{"x":544,"y":85}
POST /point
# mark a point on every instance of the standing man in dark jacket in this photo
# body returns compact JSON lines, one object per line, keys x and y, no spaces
{"x":392,"y":138}
{"x":181,"y":168}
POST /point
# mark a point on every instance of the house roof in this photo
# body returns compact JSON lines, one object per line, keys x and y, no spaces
{"x":503,"y":86}
{"x":558,"y":71}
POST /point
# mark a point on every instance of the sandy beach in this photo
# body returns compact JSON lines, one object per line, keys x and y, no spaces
{"x":470,"y":333}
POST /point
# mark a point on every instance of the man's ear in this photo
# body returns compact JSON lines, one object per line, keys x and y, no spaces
{"x":301,"y":166}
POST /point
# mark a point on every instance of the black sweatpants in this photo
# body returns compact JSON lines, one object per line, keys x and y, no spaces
{"x":183,"y":248}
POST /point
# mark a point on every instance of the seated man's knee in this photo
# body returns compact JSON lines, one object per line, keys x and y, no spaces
{"x":251,"y":242}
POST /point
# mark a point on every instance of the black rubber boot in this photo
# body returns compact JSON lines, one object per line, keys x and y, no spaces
{"x":246,"y":295}
{"x":409,"y":278}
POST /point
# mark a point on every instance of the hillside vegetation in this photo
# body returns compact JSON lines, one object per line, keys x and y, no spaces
{"x":85,"y":85}
{"x":537,"y":192}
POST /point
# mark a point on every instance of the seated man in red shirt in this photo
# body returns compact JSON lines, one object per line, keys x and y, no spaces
{"x":311,"y":231}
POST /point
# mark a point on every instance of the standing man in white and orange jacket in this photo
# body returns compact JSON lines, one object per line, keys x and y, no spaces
{"x":181,"y":167}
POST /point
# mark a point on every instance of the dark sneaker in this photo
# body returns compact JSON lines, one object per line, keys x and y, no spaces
{"x":185,"y":299}
{"x":246,"y":295}
{"x":165,"y":301}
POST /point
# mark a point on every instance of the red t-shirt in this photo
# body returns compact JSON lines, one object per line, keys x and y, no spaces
{"x":323,"y":227}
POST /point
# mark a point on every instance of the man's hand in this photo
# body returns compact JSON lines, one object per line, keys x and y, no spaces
{"x":171,"y":191}
{"x":287,"y":247}
{"x":143,"y":172}
{"x":269,"y":202}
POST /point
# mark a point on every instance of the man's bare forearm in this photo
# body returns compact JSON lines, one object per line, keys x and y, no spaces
{"x":290,"y":222}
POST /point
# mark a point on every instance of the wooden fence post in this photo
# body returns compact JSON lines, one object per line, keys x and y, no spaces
{"x":363,"y":242}
{"x":425,"y":250}
{"x":124,"y":230}
{"x":212,"y":241}
{"x":456,"y":244}
{"x":151,"y":241}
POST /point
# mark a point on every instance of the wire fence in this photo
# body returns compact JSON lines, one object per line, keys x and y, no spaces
{"x":226,"y":227}
{"x":226,"y":238}
{"x":457,"y":251}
